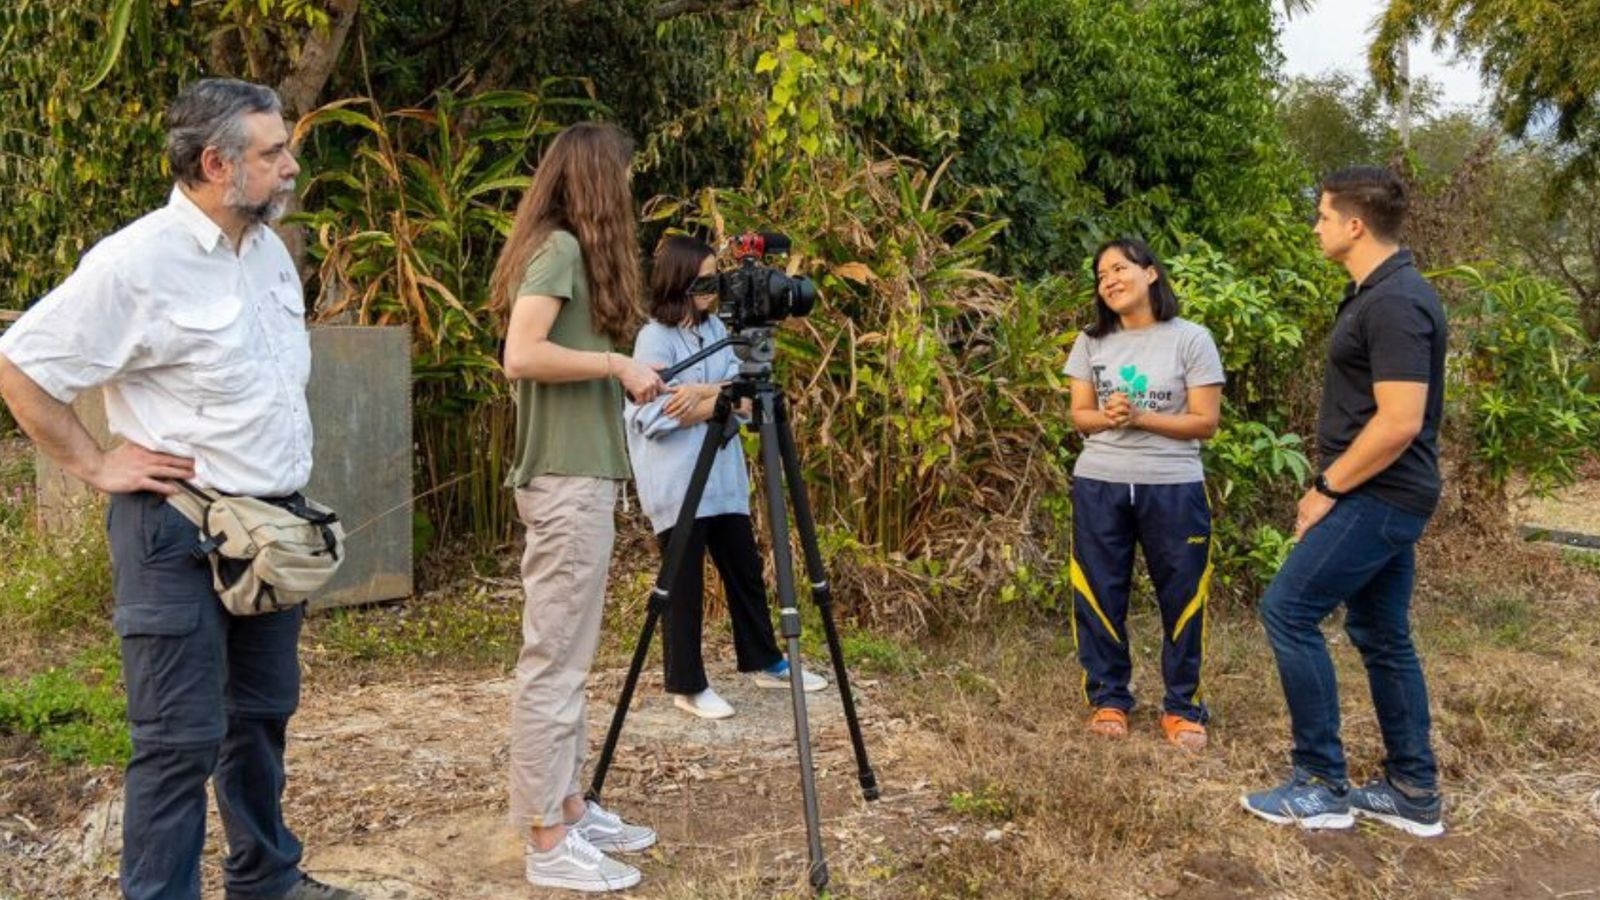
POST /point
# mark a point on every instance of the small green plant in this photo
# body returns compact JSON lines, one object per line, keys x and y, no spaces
{"x":16,"y":493}
{"x":478,"y":627}
{"x":1582,"y":559}
{"x":984,"y":804}
{"x":77,"y":712}
{"x":51,"y":582}
{"x":879,"y":653}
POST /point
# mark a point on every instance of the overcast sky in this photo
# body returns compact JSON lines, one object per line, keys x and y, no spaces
{"x":1336,"y":33}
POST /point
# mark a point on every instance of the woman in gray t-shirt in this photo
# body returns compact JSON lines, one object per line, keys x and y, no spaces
{"x":1146,"y":390}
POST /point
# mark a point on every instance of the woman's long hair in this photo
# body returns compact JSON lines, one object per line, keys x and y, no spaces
{"x":1163,"y":301}
{"x":677,"y":265}
{"x":581,"y":186}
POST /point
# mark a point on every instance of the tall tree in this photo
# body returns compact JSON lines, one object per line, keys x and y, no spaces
{"x":1541,"y":58}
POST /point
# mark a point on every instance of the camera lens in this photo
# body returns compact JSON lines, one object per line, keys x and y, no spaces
{"x":788,"y":297}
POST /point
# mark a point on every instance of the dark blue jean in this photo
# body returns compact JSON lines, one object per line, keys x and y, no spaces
{"x":209,"y":697}
{"x":1361,"y":556}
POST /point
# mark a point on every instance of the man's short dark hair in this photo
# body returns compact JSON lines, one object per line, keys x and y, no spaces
{"x":210,"y":113}
{"x":1372,"y":194}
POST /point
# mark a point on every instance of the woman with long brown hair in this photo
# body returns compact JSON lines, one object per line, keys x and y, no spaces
{"x":567,"y":284}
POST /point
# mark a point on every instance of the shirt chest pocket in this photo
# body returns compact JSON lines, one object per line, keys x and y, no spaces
{"x":291,"y":346}
{"x":216,"y":348}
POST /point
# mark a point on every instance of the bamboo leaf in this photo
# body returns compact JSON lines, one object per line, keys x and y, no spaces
{"x":116,"y":35}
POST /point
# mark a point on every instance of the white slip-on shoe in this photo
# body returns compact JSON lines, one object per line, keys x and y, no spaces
{"x":706,"y":704}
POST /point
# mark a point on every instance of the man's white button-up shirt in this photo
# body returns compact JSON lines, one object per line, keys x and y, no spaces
{"x":202,"y":351}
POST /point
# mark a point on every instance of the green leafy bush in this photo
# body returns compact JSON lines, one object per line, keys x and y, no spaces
{"x":78,"y":164}
{"x":77,"y":713}
{"x":408,"y":208}
{"x":1519,"y":399}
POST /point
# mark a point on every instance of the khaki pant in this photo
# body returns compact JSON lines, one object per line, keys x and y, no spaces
{"x":570,"y":531}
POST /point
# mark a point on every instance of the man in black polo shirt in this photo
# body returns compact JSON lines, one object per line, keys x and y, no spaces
{"x":1378,"y":438}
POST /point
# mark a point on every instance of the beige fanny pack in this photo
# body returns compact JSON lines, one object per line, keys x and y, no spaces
{"x":265,"y":555}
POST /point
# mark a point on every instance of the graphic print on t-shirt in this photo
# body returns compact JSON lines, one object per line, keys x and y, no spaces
{"x":1133,"y":383}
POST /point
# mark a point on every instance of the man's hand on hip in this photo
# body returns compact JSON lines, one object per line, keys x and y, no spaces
{"x":130,"y":467}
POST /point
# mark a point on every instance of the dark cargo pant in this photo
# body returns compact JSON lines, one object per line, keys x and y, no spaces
{"x":209,"y":697}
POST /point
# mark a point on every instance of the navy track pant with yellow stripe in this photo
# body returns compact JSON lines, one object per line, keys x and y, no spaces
{"x":1172,"y":523}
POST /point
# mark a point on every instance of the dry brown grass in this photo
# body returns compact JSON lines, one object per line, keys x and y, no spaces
{"x":1509,"y":638}
{"x":992,"y":787}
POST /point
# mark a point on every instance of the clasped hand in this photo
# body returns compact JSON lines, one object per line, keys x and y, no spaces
{"x":1119,"y":410}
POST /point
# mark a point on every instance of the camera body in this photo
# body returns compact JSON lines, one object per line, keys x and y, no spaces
{"x":752,"y":295}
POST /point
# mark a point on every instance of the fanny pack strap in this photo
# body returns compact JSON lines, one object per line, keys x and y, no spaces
{"x":193,"y":501}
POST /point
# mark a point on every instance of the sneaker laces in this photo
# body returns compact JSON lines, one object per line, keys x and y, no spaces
{"x":604,"y":816}
{"x":582,"y":849}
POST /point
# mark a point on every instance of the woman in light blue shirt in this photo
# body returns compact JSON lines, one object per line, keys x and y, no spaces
{"x":664,"y":439}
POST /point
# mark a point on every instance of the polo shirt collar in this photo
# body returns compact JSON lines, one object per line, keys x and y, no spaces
{"x":1400,"y":259}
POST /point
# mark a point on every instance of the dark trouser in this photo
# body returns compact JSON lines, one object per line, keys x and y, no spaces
{"x":732,"y":543}
{"x":209,"y":697}
{"x":1361,"y":556}
{"x":1172,"y":522}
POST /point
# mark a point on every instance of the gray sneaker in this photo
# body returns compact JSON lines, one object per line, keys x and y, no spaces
{"x":575,"y":865}
{"x":1381,"y":801}
{"x":1303,"y":800}
{"x":309,"y":888}
{"x":607,"y":832}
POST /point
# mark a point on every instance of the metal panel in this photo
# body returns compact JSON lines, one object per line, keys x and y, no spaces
{"x":360,"y":396}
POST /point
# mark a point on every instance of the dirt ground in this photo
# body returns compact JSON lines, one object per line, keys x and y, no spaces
{"x":397,"y":788}
{"x":990,"y":787}
{"x":1575,"y":509}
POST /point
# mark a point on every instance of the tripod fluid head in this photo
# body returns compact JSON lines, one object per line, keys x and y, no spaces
{"x":755,"y":346}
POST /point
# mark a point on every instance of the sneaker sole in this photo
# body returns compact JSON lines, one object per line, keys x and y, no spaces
{"x":693,"y":710}
{"x":1413,"y":828}
{"x":782,"y":684}
{"x":1323,"y":822}
{"x":587,"y":886}
{"x":605,"y":845}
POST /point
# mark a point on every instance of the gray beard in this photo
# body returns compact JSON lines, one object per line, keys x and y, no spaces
{"x":264,"y":213}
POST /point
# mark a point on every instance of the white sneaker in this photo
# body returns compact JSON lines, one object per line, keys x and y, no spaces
{"x":706,"y":704}
{"x":606,"y":831}
{"x":575,"y":865}
{"x":777,"y":678}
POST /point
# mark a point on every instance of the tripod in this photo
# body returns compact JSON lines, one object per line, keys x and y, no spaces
{"x":780,"y":463}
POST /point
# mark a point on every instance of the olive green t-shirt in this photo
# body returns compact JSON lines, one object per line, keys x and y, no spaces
{"x":573,"y":428}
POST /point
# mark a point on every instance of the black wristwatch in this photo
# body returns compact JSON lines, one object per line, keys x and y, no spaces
{"x":1321,"y":484}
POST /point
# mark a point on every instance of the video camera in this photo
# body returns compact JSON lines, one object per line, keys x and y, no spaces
{"x":753,"y":295}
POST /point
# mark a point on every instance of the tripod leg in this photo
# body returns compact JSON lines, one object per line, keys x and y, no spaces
{"x":822,"y":594}
{"x":722,"y":426}
{"x":789,"y":617}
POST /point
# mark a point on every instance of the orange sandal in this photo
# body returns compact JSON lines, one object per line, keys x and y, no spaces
{"x":1109,"y":722}
{"x":1183,"y":733}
